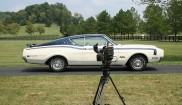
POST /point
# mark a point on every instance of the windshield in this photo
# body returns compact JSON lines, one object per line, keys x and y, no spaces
{"x":110,"y":40}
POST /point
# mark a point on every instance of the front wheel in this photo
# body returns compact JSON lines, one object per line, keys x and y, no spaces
{"x":137,"y":62}
{"x":58,"y":64}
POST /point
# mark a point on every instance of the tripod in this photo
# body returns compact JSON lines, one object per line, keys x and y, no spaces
{"x":99,"y":96}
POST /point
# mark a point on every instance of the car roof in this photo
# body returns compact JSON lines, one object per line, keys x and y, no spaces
{"x":66,"y":40}
{"x":85,"y":35}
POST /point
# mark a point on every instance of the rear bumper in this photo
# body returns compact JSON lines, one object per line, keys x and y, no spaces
{"x":24,"y":58}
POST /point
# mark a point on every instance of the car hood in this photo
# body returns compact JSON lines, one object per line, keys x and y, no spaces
{"x":135,"y":46}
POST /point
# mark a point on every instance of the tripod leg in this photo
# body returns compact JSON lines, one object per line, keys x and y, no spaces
{"x":99,"y":96}
{"x":121,"y":97}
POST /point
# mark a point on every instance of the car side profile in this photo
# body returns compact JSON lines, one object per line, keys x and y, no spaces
{"x":78,"y":50}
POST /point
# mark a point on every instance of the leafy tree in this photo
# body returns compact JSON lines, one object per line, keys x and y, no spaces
{"x":141,"y":27}
{"x":70,"y":25}
{"x":90,"y":25}
{"x":130,"y":23}
{"x":7,"y":21}
{"x":125,"y":22}
{"x":80,"y":28}
{"x":103,"y":21}
{"x":30,"y":28}
{"x":155,"y":22}
{"x":61,"y":14}
{"x":32,"y":18}
{"x":40,"y":13}
{"x":4,"y":15}
{"x":174,"y":16}
{"x":13,"y":28}
{"x":77,"y":18}
{"x":1,"y":28}
{"x":20,"y":17}
{"x":113,"y":26}
{"x":71,"y":29}
{"x":40,"y":29}
{"x":49,"y":19}
{"x":66,"y":17}
{"x":42,"y":17}
{"x":119,"y":22}
{"x":136,"y":18}
{"x":64,"y":30}
{"x":48,"y":23}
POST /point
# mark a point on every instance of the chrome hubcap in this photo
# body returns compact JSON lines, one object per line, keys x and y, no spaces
{"x":138,"y":63}
{"x":57,"y":64}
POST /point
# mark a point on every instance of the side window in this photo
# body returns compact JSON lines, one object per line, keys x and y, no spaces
{"x":78,"y":41}
{"x":90,"y":41}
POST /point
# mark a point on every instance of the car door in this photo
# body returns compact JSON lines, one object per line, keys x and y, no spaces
{"x":76,"y":52}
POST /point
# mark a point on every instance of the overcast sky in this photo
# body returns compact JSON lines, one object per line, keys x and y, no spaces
{"x":86,"y":7}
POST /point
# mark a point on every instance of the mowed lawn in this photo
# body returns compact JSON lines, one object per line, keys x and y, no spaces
{"x":80,"y":90}
{"x":11,"y":53}
{"x":148,"y":89}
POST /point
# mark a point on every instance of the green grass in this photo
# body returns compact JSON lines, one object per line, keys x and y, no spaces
{"x":11,"y":53}
{"x":80,"y":90}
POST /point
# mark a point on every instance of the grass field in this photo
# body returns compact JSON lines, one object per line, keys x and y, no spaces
{"x":80,"y":90}
{"x":11,"y":53}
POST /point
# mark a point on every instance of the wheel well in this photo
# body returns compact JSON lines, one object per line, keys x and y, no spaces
{"x":136,"y":55}
{"x":47,"y":62}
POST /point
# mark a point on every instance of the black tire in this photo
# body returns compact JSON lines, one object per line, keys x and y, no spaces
{"x":137,"y":62}
{"x":58,"y":64}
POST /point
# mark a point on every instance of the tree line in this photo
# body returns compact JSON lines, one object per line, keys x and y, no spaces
{"x":159,"y":18}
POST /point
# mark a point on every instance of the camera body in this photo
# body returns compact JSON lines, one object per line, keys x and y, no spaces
{"x":105,"y":54}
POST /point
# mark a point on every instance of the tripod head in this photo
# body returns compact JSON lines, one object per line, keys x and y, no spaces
{"x":105,"y":55}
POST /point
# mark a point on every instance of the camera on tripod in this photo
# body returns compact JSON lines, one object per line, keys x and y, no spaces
{"x":105,"y":54}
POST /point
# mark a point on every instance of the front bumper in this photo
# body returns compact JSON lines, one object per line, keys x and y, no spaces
{"x":160,"y":59}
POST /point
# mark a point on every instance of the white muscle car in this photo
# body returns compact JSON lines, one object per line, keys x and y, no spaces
{"x":78,"y":50}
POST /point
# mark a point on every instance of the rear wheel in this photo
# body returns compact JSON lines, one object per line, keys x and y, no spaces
{"x":137,"y":62}
{"x":58,"y":64}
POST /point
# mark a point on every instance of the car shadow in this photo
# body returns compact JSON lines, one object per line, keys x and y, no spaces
{"x":46,"y":69}
{"x":36,"y":69}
